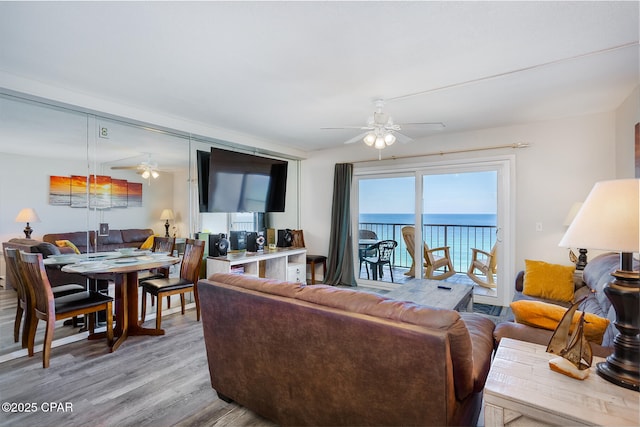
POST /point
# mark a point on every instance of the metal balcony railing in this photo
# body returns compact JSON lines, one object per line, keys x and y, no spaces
{"x":459,"y":238}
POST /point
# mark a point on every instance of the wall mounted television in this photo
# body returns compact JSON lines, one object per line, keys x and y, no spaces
{"x":239,"y":182}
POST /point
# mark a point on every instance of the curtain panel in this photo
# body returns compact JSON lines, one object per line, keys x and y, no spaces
{"x":340,"y":259}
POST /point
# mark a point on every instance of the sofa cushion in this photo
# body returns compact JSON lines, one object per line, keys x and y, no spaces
{"x":47,"y":249}
{"x":67,"y":244}
{"x":549,"y":281}
{"x":547,"y":316}
{"x":136,"y":235}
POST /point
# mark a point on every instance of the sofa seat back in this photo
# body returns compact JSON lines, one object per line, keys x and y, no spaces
{"x":320,"y":355}
{"x":116,"y":239}
{"x":78,"y":238}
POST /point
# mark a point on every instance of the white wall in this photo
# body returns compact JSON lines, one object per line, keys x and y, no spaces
{"x":626,"y":117}
{"x":565,"y":159}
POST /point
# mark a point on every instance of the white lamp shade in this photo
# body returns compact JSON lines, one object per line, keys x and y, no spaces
{"x":609,"y":218}
{"x":27,"y":215}
{"x":370,"y":138}
{"x":166,"y":214}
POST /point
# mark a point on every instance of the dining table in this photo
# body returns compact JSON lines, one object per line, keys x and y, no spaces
{"x":123,"y":270}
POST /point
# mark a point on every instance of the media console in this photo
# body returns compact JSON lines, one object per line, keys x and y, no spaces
{"x":281,"y":264}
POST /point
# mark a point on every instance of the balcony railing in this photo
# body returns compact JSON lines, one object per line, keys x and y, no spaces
{"x":459,"y":238}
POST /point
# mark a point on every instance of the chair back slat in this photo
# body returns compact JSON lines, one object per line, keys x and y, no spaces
{"x":385,"y":249}
{"x":13,"y":274}
{"x":164,"y":244}
{"x":191,"y":260}
{"x":35,"y":279}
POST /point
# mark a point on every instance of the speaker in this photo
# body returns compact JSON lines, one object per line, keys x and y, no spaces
{"x":238,"y":240}
{"x":218,"y":244}
{"x":255,"y":241}
{"x":285,"y":237}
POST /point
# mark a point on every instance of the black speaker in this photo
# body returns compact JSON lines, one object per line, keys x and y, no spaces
{"x":218,"y":244}
{"x":255,"y":241}
{"x":238,"y":240}
{"x":285,"y":237}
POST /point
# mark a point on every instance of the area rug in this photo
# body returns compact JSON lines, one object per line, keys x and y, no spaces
{"x":491,"y":310}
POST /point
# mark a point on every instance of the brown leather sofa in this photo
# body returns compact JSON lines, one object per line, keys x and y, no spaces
{"x":320,"y":355}
{"x":595,"y":276}
{"x":127,"y":238}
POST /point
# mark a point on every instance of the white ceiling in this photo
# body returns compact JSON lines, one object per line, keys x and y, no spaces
{"x":282,"y":70}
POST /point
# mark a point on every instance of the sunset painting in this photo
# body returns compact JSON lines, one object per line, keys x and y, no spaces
{"x":134,"y":194}
{"x":119,"y":193}
{"x":100,"y":192}
{"x":104,"y":192}
{"x":78,"y":191}
{"x":60,"y":190}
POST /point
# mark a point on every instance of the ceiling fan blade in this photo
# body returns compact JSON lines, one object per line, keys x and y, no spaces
{"x":356,"y":138}
{"x":402,"y":138}
{"x":350,"y":127}
{"x":125,"y":167}
{"x":435,"y":124}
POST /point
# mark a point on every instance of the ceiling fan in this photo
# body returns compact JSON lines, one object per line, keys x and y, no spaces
{"x":148,"y":169}
{"x":381,"y":130}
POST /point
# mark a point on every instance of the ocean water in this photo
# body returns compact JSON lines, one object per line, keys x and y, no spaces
{"x":431,"y":219}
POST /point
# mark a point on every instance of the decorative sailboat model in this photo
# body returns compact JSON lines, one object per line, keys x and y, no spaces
{"x":574,"y":349}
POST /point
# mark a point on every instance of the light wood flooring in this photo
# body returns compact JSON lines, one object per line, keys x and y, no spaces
{"x":156,"y":381}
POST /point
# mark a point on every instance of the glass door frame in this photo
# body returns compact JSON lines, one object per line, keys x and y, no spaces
{"x":504,"y":166}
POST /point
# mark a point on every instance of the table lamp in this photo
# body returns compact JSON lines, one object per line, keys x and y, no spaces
{"x":27,"y":215}
{"x":573,"y":211}
{"x":167,"y":214}
{"x":609,"y":220}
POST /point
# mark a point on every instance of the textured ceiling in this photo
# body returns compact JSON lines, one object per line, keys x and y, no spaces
{"x":280,"y":71}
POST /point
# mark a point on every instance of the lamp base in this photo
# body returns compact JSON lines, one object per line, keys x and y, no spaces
{"x":623,"y":366}
{"x":166,"y":228}
{"x":582,"y":259}
{"x":27,"y":231}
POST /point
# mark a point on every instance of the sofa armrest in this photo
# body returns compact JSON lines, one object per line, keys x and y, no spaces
{"x":540,"y":336}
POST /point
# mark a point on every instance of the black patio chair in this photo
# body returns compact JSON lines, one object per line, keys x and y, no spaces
{"x":384,"y":251}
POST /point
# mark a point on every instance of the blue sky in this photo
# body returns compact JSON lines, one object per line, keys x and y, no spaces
{"x":471,"y":192}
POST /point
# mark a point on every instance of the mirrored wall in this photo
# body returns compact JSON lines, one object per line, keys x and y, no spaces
{"x":131,"y":171}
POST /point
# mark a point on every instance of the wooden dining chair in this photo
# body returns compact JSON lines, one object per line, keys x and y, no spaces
{"x":483,"y":266}
{"x":51,"y":309}
{"x":434,"y":259}
{"x":24,"y":306}
{"x":160,"y":244}
{"x":189,"y":275}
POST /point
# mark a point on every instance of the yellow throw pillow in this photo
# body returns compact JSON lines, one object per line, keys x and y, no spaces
{"x":148,"y":244}
{"x":548,"y":281}
{"x":547,"y":316}
{"x":67,"y":244}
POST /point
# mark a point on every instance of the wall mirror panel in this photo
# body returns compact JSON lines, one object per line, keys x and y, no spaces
{"x":40,"y":139}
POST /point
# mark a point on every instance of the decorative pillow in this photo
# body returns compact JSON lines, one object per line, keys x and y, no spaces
{"x":67,"y":244}
{"x":547,"y":316}
{"x":148,"y":244}
{"x":548,"y":281}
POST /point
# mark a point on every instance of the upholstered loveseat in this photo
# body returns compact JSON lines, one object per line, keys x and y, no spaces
{"x":320,"y":355}
{"x":126,"y":238}
{"x":595,"y":276}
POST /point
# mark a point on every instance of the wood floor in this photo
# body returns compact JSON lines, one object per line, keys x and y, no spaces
{"x":155,"y":381}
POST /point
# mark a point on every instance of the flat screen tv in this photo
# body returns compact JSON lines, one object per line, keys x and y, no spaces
{"x":239,"y":182}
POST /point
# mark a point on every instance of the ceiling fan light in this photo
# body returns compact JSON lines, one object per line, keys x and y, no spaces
{"x":154,"y":174}
{"x":369,"y":139}
{"x":389,"y":139}
{"x":146,"y":174}
{"x":380,"y":144}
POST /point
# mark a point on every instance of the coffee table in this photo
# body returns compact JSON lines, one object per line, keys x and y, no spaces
{"x":436,"y":293}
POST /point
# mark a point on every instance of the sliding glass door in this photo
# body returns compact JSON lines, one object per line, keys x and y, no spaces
{"x":463,"y":206}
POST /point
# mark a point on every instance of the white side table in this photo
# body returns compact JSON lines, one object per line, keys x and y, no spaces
{"x":522,"y":390}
